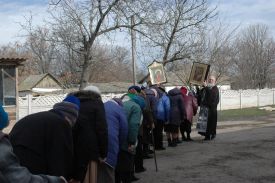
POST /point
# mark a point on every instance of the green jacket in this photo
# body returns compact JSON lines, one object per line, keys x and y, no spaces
{"x":134,"y":115}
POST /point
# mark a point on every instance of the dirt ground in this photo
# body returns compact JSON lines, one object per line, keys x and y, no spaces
{"x":243,"y":151}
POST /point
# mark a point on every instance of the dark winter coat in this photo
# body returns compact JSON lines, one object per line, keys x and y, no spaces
{"x":150,"y":95}
{"x":190,"y":105}
{"x":177,"y":110}
{"x":43,"y":143}
{"x":148,"y":117}
{"x":117,"y":130}
{"x":11,"y":171}
{"x":90,"y":132}
{"x":209,"y":97}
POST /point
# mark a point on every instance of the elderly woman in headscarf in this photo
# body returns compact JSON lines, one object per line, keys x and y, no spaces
{"x":117,"y":137}
{"x":10,"y":169}
{"x":90,"y":135}
{"x":133,"y":106}
{"x":43,"y":141}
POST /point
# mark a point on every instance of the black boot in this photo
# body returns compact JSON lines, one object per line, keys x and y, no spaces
{"x":207,"y":137}
{"x":183,"y":138}
{"x":188,"y":137}
{"x":169,"y":143}
{"x":178,"y":141}
{"x":174,"y":143}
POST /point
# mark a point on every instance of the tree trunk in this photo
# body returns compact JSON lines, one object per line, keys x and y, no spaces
{"x":84,"y":80}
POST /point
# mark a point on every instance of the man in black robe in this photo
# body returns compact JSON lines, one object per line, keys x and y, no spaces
{"x":208,"y":97}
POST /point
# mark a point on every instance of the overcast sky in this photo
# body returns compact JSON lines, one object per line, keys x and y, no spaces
{"x":233,"y":12}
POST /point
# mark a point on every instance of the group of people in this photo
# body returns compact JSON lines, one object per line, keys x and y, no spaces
{"x":83,"y":140}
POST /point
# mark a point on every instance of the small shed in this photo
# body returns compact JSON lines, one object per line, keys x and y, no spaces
{"x":39,"y":84}
{"x":9,"y":85}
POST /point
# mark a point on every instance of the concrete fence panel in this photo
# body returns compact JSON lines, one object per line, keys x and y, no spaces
{"x":229,"y":99}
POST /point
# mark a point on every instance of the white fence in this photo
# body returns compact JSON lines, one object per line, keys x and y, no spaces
{"x":229,"y":99}
{"x":233,"y":99}
{"x":29,"y":104}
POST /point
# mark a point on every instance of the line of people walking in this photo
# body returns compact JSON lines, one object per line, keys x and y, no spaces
{"x":83,"y":140}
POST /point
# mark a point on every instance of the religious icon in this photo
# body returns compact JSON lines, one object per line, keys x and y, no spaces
{"x":157,"y":74}
{"x":199,"y":73}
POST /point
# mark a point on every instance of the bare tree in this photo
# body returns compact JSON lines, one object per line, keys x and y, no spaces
{"x":79,"y":24}
{"x":18,"y":50}
{"x":216,"y":47}
{"x":67,"y":66}
{"x":42,"y":49}
{"x":111,"y":64}
{"x":15,"y":50}
{"x":254,"y":56}
{"x":40,"y":45}
{"x":173,"y":29}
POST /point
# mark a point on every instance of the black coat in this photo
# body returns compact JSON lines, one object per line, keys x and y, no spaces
{"x":177,"y":110}
{"x":11,"y":171}
{"x":209,"y":97}
{"x":90,"y":132}
{"x":43,"y":143}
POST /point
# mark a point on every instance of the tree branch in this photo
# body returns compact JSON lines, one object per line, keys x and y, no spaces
{"x":100,"y":21}
{"x":54,"y":4}
{"x":100,"y":8}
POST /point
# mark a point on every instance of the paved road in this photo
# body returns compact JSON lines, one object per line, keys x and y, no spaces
{"x":243,"y":152}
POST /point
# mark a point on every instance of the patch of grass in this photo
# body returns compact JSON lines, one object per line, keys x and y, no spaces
{"x":241,"y":114}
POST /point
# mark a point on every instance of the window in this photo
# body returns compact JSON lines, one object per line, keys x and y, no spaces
{"x":7,"y":85}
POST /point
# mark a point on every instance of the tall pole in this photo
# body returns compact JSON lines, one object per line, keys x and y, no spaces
{"x":133,"y":39}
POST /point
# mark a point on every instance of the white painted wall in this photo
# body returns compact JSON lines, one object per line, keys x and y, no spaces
{"x":229,"y":99}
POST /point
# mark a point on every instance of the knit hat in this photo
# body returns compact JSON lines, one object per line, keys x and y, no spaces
{"x":134,"y":87}
{"x":93,"y":89}
{"x":68,"y":110}
{"x":73,"y":99}
{"x":184,"y":90}
{"x":4,"y":118}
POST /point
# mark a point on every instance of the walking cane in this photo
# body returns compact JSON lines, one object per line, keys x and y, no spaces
{"x":155,"y":157}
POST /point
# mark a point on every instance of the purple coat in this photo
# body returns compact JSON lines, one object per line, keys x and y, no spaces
{"x":177,"y":110}
{"x":117,"y":130}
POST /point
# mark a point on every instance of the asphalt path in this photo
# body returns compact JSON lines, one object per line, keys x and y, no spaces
{"x":243,"y":151}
